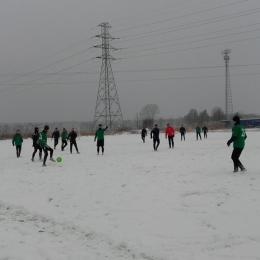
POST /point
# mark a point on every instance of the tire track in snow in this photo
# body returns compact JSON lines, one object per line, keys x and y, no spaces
{"x":65,"y":239}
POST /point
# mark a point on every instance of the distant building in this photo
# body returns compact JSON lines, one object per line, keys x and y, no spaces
{"x":248,"y":122}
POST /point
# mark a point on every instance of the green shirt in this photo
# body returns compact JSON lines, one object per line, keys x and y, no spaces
{"x":42,"y":139}
{"x":100,"y":134}
{"x":198,"y":130}
{"x":64,"y":136}
{"x":17,"y":139}
{"x":238,"y":131}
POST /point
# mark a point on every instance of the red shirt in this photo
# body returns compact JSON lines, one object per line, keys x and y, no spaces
{"x":169,"y":131}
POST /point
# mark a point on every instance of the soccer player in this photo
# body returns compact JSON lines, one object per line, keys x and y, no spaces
{"x":44,"y":146}
{"x":238,"y":139}
{"x":56,"y":136}
{"x":17,"y":141}
{"x":64,"y":142}
{"x":72,"y":138}
{"x":205,"y":131}
{"x":169,"y":131}
{"x":35,"y":138}
{"x":143,"y":134}
{"x":198,"y":131}
{"x":183,"y":132}
{"x":100,"y":138}
{"x":155,"y":135}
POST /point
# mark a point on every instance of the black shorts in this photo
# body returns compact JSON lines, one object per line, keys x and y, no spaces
{"x":100,"y":142}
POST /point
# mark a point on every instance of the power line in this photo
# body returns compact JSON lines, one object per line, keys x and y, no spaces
{"x":136,"y":80}
{"x":193,"y":24}
{"x":183,"y":2}
{"x":50,"y":56}
{"x":128,"y":71}
{"x":192,"y":36}
{"x":78,"y":53}
{"x":53,"y":74}
{"x":216,"y":37}
{"x":41,"y":84}
{"x":193,"y":48}
{"x":170,"y":19}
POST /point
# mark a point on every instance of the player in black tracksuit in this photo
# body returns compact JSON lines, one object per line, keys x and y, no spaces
{"x":155,"y":135}
{"x":56,"y":136}
{"x":205,"y":131}
{"x":183,"y":132}
{"x":72,"y":138}
{"x":143,"y":133}
{"x":35,"y":137}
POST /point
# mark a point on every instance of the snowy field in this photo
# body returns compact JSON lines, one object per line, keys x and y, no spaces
{"x":131,"y":203}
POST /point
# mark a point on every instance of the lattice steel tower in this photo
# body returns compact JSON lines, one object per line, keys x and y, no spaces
{"x":108,"y":110}
{"x":229,"y":105}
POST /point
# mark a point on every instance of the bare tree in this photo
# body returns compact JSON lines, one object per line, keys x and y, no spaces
{"x":149,"y":113}
{"x":217,"y":114}
{"x":192,"y":117}
{"x":203,"y":117}
{"x":137,"y":120}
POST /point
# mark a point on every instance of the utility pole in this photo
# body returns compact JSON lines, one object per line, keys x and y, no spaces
{"x":229,"y":105}
{"x":108,"y":110}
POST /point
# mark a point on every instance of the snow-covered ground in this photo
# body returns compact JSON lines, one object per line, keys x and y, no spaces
{"x":131,"y":203}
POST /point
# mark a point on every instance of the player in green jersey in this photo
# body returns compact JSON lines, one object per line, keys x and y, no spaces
{"x":238,"y":139}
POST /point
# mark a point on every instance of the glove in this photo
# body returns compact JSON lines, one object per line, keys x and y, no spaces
{"x":173,"y":135}
{"x":94,"y":140}
{"x":165,"y":137}
{"x":151,"y":137}
{"x":228,"y":143}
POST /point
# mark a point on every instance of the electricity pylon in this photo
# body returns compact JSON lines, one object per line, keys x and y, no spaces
{"x":108,"y":110}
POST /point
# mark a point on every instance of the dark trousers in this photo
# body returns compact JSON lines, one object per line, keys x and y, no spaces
{"x":75,"y":144}
{"x":63,"y":144}
{"x":198,"y":135}
{"x":182,"y":135}
{"x":156,"y":142}
{"x":171,"y":143}
{"x":18,"y":150}
{"x":36,"y":148}
{"x":47,"y":148}
{"x":143,"y":138}
{"x":205,"y":135}
{"x":100,"y":143}
{"x":56,"y":141}
{"x":235,"y":157}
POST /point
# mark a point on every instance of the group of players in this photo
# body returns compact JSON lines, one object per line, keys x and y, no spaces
{"x":170,"y":133}
{"x":40,"y":141}
{"x":238,"y":139}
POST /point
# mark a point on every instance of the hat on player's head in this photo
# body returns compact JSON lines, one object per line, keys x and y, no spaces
{"x":99,"y":125}
{"x":155,"y":125}
{"x":236,"y":118}
{"x":46,"y":127}
{"x":168,"y":124}
{"x":64,"y":129}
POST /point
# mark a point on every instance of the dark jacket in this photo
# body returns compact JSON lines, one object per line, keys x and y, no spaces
{"x":155,"y":133}
{"x":144,"y":132}
{"x":182,"y":130}
{"x":55,"y":134}
{"x":205,"y":129}
{"x":35,"y":138}
{"x":72,"y":136}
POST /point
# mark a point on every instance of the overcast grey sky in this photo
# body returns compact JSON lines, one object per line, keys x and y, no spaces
{"x":43,"y":41}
